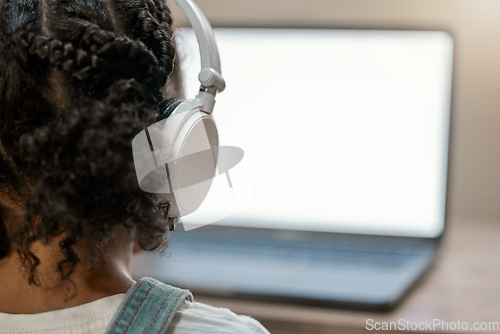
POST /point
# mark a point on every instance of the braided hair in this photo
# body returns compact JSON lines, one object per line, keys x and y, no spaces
{"x":78,"y":80}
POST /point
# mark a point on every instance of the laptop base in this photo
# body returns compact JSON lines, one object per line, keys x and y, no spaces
{"x":338,"y":270}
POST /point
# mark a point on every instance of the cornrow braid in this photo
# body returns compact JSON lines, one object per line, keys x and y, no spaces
{"x":152,"y":24}
{"x":95,"y":60}
{"x":76,"y":17}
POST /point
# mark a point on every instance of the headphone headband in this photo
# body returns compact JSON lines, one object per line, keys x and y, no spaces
{"x":178,"y":155}
{"x":210,"y":75}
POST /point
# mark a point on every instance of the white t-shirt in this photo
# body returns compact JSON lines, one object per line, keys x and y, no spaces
{"x":94,"y":317}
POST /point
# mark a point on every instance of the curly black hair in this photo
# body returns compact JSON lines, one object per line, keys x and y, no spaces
{"x":78,"y":80}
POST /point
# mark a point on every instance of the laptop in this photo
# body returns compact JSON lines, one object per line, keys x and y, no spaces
{"x":342,"y":189}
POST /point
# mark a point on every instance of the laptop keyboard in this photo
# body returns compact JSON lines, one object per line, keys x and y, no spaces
{"x":341,"y":251}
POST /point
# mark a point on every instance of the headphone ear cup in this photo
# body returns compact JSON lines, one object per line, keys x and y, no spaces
{"x":167,"y":107}
{"x":178,"y":156}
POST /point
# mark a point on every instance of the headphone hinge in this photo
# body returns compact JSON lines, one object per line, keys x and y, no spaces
{"x":211,"y":78}
{"x":207,"y":98}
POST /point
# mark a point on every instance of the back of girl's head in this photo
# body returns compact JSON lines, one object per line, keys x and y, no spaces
{"x":78,"y":80}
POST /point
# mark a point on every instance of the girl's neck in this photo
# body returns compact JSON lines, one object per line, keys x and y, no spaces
{"x":109,"y":275}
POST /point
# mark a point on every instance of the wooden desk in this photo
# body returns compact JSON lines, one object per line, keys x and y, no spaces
{"x":463,"y":284}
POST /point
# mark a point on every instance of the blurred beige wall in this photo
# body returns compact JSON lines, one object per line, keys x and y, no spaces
{"x":475,"y":25}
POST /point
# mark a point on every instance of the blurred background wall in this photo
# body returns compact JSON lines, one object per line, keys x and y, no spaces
{"x":475,"y":25}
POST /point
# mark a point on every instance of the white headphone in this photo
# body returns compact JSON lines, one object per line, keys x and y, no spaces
{"x":178,"y":155}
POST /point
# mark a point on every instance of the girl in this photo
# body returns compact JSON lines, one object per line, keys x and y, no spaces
{"x":78,"y":80}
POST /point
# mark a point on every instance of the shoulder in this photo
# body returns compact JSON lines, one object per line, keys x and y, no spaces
{"x":193,"y":317}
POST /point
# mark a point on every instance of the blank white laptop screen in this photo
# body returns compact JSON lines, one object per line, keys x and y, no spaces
{"x":342,"y":130}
